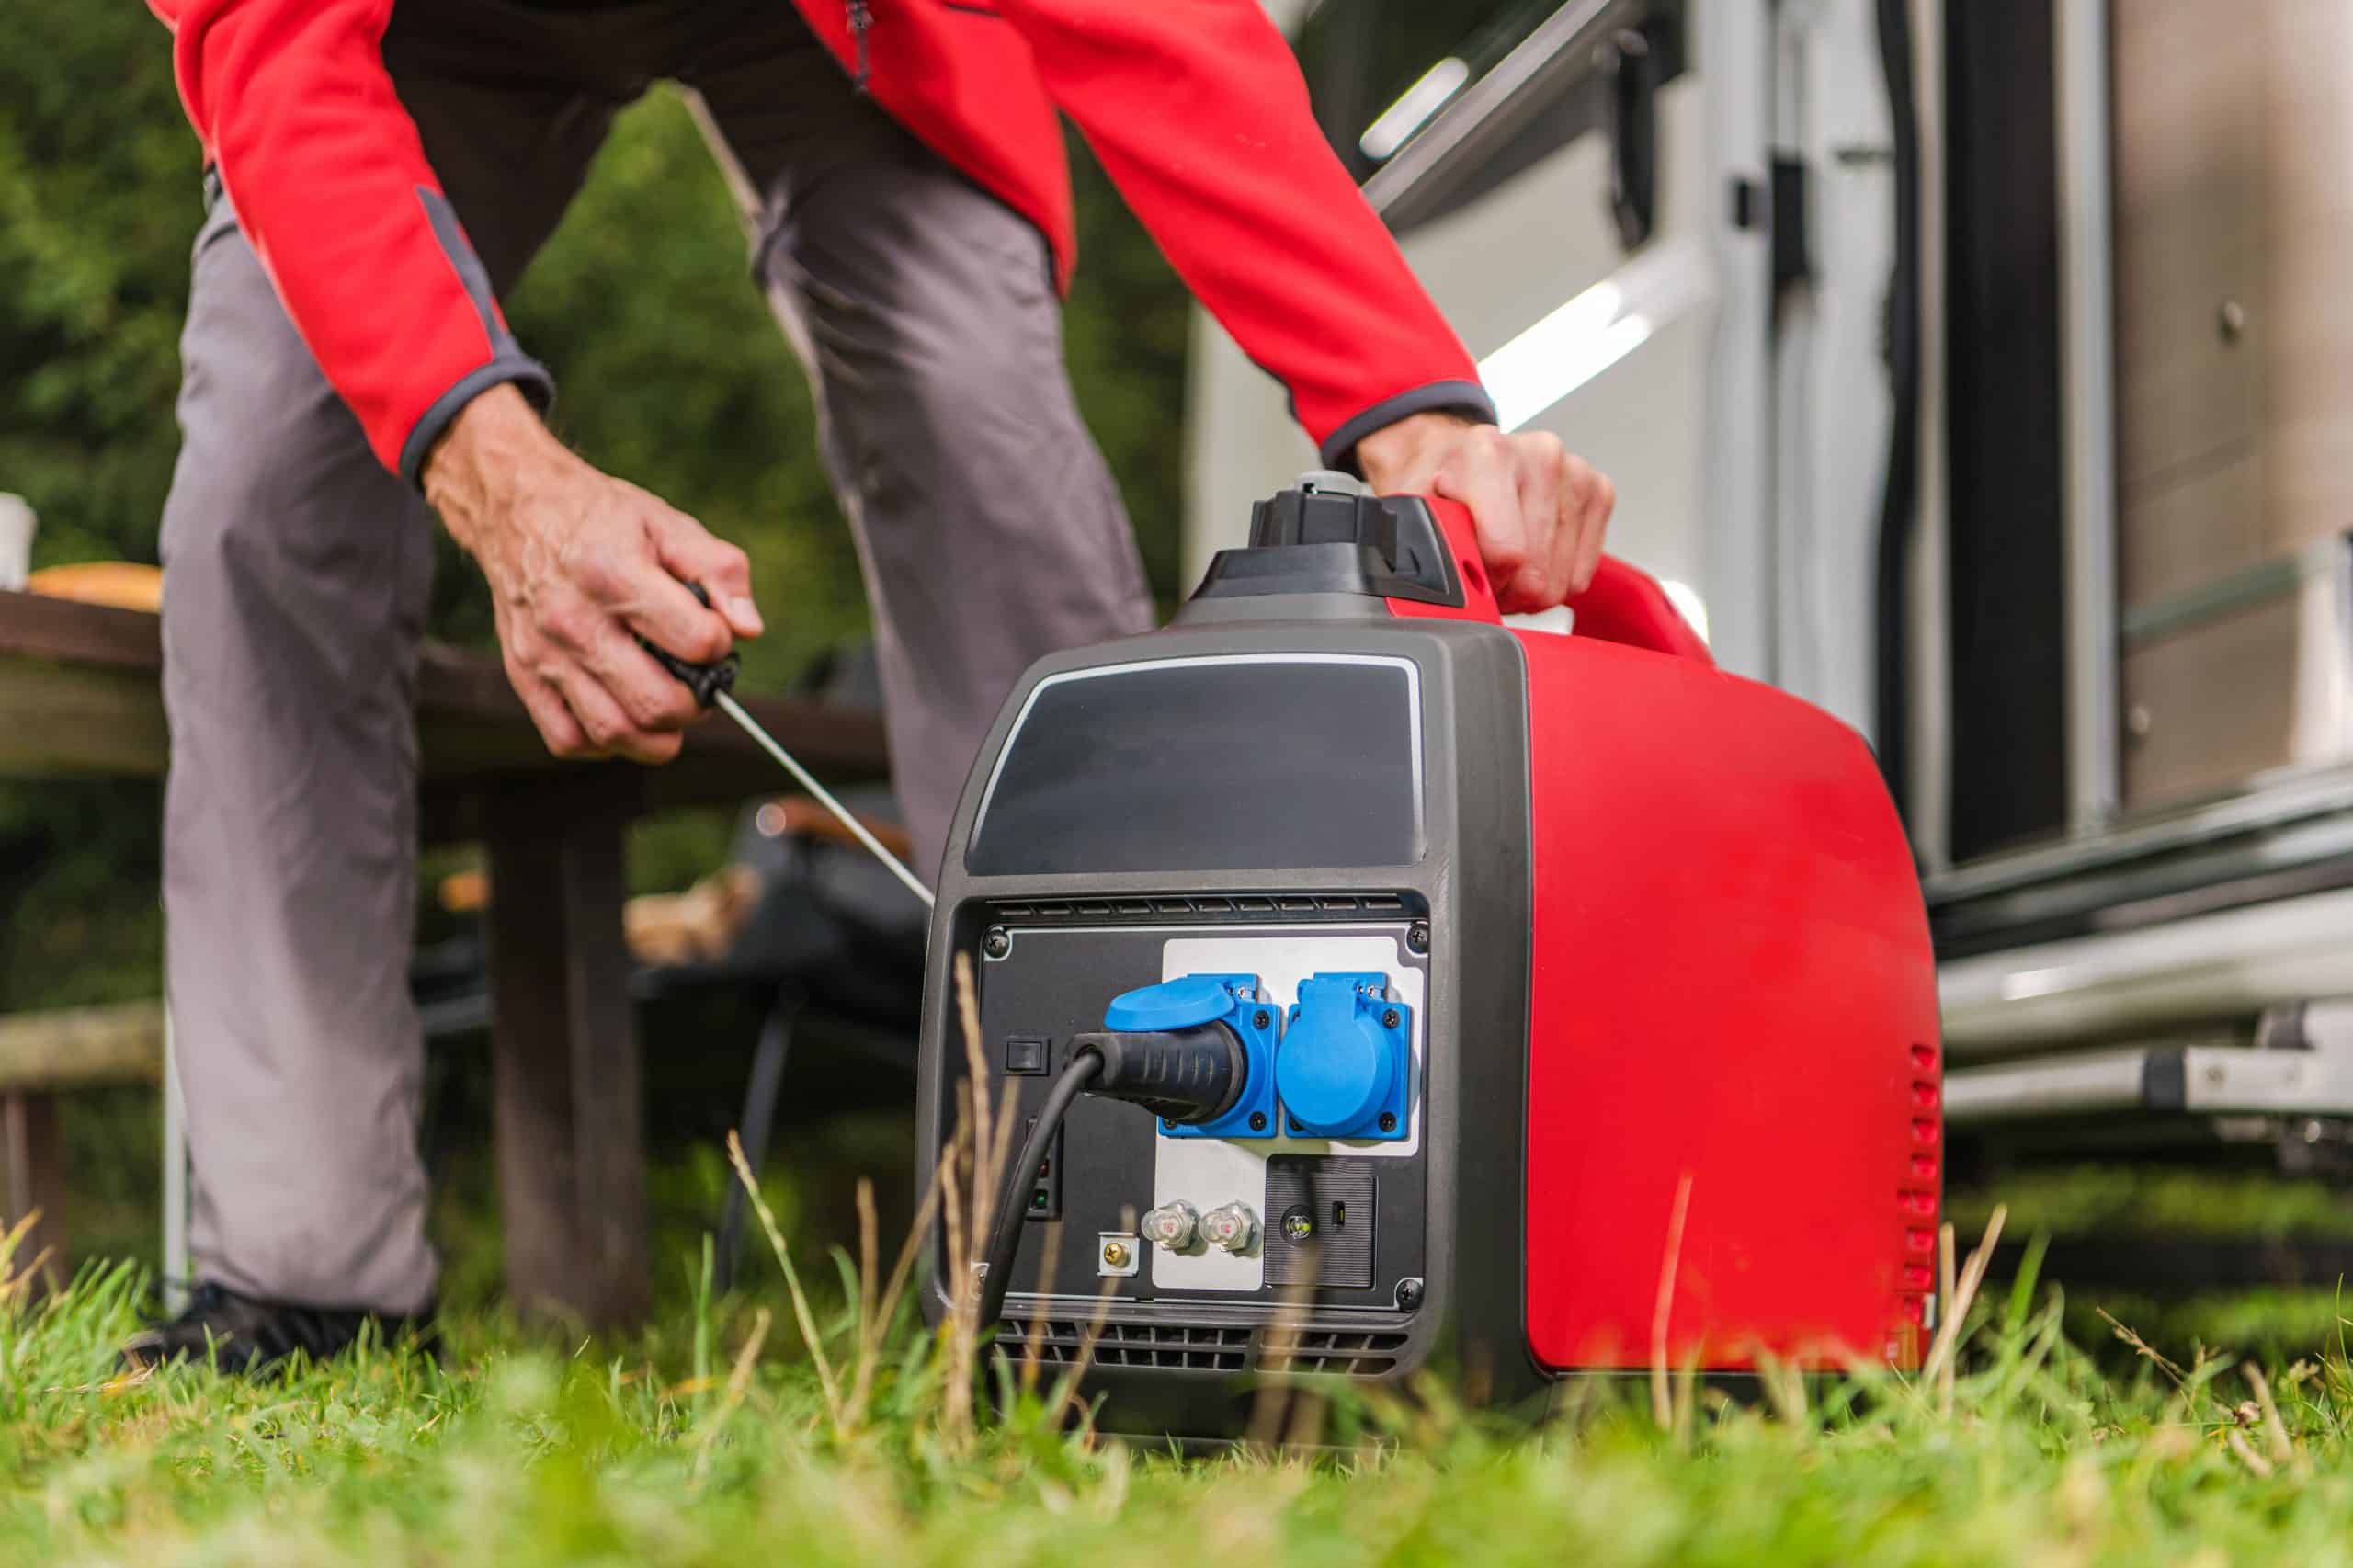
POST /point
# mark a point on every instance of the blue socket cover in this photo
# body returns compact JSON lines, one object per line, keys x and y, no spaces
{"x":1182,"y":1004}
{"x":1193,"y":1000}
{"x":1345,"y":1059}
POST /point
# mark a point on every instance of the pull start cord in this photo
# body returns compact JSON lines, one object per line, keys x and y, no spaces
{"x":713,"y":686}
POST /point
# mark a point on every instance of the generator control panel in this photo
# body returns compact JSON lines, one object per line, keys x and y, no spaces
{"x":1308,"y":1178}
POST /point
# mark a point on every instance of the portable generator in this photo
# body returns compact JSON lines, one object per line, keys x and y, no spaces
{"x":1381,"y":987}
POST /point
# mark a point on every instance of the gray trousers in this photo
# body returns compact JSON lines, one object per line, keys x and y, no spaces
{"x":298,"y":571}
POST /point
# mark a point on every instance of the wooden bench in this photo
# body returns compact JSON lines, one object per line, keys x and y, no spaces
{"x":80,"y":697}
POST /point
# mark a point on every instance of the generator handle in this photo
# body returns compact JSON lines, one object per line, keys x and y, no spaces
{"x":1623,"y":603}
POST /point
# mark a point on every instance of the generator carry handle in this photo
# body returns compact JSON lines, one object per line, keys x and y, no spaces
{"x":1624,"y":603}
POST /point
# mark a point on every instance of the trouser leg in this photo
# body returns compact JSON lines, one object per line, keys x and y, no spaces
{"x":986,"y":520}
{"x":297,"y":574}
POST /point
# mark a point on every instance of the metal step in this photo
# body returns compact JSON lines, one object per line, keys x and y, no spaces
{"x":2299,"y":1061}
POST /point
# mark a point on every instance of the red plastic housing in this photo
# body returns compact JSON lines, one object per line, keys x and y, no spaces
{"x":1734,"y":1001}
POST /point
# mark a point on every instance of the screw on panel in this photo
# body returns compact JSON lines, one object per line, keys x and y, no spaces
{"x":1115,"y":1254}
{"x":1168,"y":1122}
{"x":1293,"y":1122}
{"x":1258,"y":1122}
{"x":1391,"y":1018}
{"x":1388,"y":1122}
{"x":1261,"y":1019}
{"x":1409,"y":1293}
{"x":1417,"y":937}
{"x":996,"y":944}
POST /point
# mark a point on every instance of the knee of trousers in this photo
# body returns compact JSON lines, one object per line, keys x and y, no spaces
{"x":980,"y":491}
{"x":282,"y":536}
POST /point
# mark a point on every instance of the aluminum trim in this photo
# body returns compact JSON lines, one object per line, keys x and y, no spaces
{"x":2101,"y":1080}
{"x":1447,"y":139}
{"x":2087,"y":373}
{"x":2230,"y":964}
{"x":2299,"y":794}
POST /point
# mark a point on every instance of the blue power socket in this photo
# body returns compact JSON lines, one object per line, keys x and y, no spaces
{"x":1346,"y":1063}
{"x":1234,"y":1001}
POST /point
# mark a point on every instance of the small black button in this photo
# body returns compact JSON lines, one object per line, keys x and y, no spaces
{"x":1026,"y":1053}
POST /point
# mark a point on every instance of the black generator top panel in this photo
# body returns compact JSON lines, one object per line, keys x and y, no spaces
{"x":1209,"y":765}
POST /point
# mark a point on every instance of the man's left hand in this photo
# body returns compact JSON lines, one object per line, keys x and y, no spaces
{"x":1540,"y":510}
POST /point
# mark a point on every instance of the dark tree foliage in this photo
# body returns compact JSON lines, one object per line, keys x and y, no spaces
{"x":671,"y":374}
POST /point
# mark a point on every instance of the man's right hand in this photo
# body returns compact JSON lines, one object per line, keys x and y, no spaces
{"x":580,"y":565}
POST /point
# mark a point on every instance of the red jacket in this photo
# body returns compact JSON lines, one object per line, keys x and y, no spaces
{"x":1195,"y":108}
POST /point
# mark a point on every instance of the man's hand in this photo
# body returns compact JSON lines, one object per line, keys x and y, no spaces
{"x":1540,"y":512}
{"x":577,"y":563}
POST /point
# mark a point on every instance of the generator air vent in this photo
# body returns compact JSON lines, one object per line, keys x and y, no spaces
{"x":1201,"y":1348}
{"x":1334,"y":1350}
{"x":1258,"y":906}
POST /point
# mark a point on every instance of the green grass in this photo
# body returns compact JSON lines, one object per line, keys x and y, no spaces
{"x":705,"y":1440}
{"x":2155,"y":1198}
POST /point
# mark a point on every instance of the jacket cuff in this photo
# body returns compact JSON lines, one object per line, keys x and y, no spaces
{"x":511,"y":365}
{"x":1466,"y":398}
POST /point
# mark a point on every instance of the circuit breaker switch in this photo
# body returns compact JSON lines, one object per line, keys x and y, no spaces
{"x":1230,"y":1227}
{"x":1172,"y":1225}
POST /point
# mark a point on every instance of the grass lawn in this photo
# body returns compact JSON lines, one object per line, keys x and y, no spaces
{"x":709,"y":1440}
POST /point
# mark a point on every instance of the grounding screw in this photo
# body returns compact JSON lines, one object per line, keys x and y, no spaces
{"x":1261,"y":1019}
{"x":1115,"y":1255}
{"x":1258,"y":1122}
{"x":1388,"y":1121}
{"x":1417,"y":937}
{"x":996,"y":944}
{"x":1409,"y":1293}
{"x":1391,"y":1018}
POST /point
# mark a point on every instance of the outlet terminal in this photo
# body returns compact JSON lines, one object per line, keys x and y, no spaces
{"x":1257,"y":1024}
{"x":1345,"y":1064}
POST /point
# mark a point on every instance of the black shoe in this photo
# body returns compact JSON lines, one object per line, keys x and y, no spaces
{"x":242,"y":1334}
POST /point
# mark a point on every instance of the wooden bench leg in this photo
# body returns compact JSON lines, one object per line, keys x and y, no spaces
{"x":34,"y":1164}
{"x":567,"y":1078}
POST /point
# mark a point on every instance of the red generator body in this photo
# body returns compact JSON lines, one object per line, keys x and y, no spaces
{"x":1379,"y":987}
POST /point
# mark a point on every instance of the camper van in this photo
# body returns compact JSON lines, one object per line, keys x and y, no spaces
{"x":1985,"y":375}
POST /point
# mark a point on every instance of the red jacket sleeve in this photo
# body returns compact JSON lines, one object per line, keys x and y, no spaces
{"x":1198,"y":113}
{"x":330,"y":184}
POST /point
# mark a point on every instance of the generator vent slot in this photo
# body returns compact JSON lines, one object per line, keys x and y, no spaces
{"x":1203,"y":906}
{"x":1197,"y":1348}
{"x":1343,"y":1351}
{"x":1203,"y":1348}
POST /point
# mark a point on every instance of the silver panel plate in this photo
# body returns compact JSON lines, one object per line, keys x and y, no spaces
{"x":1206,"y":1172}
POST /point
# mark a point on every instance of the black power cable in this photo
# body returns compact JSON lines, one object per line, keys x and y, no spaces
{"x":1186,"y":1076}
{"x":1004,"y":1237}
